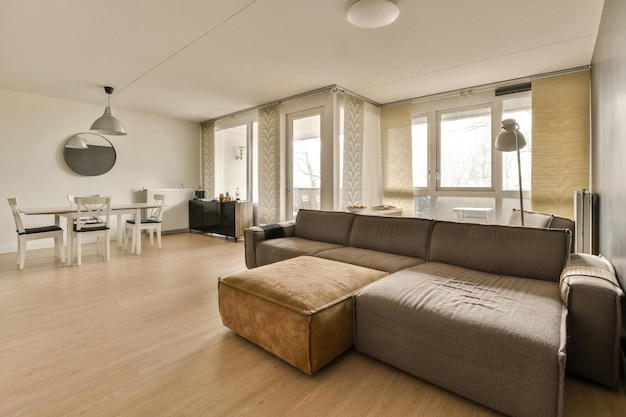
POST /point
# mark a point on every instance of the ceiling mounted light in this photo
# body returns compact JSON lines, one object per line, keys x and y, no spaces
{"x":108,"y":124}
{"x":370,"y":14}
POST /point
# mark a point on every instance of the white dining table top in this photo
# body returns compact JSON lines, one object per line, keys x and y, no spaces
{"x":60,"y":210}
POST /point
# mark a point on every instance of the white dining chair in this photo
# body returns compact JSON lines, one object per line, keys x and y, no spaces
{"x":152,"y":223}
{"x":93,"y":217}
{"x":26,"y":234}
{"x":72,"y":197}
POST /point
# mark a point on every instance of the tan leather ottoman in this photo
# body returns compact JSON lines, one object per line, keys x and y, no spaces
{"x":299,"y":309}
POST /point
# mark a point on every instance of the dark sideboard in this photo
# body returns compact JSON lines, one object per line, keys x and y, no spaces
{"x":228,"y":218}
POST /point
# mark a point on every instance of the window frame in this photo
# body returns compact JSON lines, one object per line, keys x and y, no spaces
{"x":432,"y":109}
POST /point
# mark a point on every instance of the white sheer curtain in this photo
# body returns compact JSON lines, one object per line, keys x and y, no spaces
{"x":268,"y":210}
{"x":208,"y":159}
{"x":353,"y":151}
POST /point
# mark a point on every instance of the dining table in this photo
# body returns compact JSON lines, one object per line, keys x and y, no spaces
{"x":116,"y":209}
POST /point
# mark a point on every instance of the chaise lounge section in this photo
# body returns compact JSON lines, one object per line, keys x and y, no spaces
{"x":483,"y":318}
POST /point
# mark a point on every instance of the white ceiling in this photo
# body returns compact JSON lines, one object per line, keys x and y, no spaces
{"x":201,"y":59}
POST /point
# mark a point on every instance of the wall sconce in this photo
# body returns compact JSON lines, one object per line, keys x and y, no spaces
{"x":240,"y":155}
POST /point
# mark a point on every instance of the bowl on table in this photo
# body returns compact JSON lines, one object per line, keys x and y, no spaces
{"x":355,"y":209}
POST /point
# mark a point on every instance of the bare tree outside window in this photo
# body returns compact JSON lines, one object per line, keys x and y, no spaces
{"x":466,"y":149}
{"x":306,"y":162}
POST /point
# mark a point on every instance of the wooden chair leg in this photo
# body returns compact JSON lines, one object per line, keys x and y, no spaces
{"x":158,"y":233}
{"x":125,"y":230}
{"x":79,"y":255}
{"x":21,"y":252}
{"x":151,"y":232}
{"x":70,"y":249}
{"x":58,"y":248}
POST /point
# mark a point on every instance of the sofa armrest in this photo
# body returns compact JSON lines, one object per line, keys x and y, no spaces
{"x":257,"y":234}
{"x":592,"y":294}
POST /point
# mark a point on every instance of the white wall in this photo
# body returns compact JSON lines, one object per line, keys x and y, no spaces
{"x":158,"y":152}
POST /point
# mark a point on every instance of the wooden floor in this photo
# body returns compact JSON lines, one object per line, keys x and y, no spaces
{"x":141,"y":336}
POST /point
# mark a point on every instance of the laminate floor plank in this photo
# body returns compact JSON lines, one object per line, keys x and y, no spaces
{"x":142,"y":336}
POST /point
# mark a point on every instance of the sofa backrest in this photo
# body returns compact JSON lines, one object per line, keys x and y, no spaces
{"x":324,"y":226}
{"x":400,"y":235}
{"x":504,"y":250}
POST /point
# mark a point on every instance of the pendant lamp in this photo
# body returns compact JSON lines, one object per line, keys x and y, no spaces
{"x":108,"y":124}
{"x":511,"y":139}
{"x":370,"y":14}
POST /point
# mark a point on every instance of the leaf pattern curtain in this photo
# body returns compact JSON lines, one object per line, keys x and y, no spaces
{"x":353,"y":151}
{"x":397,"y":154}
{"x":208,"y":159}
{"x":268,"y":210}
{"x":561,"y":141}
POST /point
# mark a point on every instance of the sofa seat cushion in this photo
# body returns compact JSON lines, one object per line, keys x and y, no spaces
{"x":274,"y":250}
{"x":299,"y":309}
{"x":381,"y":261}
{"x":497,"y":340}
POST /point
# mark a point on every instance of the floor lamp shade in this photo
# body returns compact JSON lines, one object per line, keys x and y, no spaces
{"x":510,"y":139}
{"x":108,"y":124}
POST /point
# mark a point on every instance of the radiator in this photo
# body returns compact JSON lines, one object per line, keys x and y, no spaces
{"x":583,"y":216}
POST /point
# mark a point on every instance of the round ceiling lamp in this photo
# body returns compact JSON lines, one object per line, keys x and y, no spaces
{"x":370,"y":14}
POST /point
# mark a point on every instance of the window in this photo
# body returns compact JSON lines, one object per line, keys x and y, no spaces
{"x":419,"y":137}
{"x":453,"y":138}
{"x":518,"y":109}
{"x":465,"y":148}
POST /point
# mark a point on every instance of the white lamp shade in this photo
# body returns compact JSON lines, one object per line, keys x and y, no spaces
{"x":108,"y":124}
{"x":372,"y":14}
{"x":510,"y":138}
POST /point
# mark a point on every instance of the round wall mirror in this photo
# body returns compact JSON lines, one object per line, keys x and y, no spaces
{"x":89,"y":154}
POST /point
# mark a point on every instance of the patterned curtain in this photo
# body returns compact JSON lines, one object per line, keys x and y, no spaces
{"x":561,"y":141}
{"x":268,"y":211}
{"x":353,"y":151}
{"x":397,"y":154}
{"x":208,"y":159}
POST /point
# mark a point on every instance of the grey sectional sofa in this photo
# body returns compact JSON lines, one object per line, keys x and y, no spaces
{"x":493,"y":313}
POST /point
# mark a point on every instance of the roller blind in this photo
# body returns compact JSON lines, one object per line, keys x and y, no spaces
{"x":561,"y":141}
{"x":396,"y":156}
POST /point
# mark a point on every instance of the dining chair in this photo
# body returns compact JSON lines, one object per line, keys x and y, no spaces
{"x":152,"y":223}
{"x":72,"y":197}
{"x":43,"y":232}
{"x":93,"y":216}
